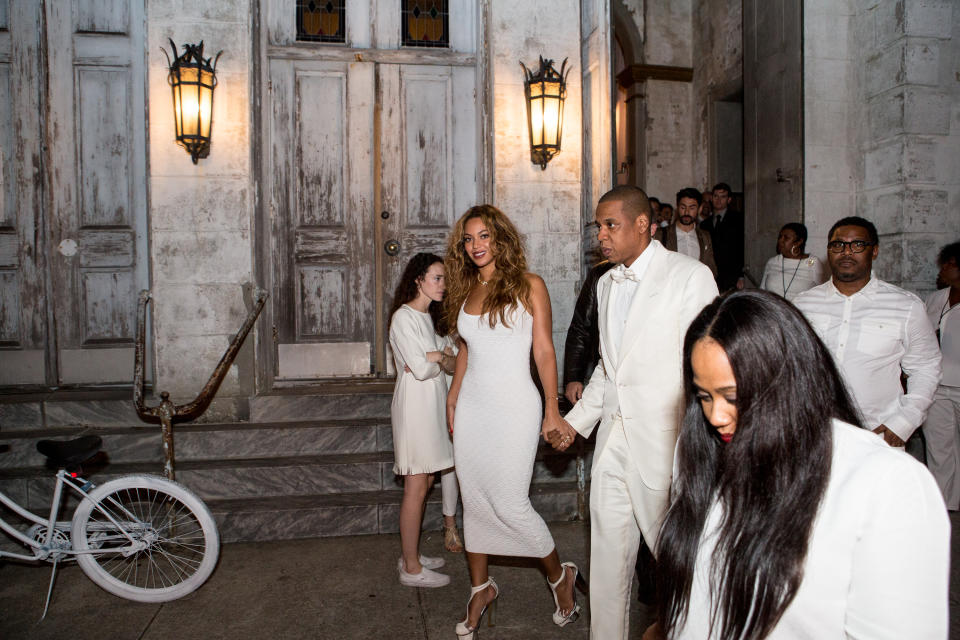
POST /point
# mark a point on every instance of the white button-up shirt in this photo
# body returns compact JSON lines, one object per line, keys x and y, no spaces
{"x":621,"y":296}
{"x":873,"y":335}
{"x":687,"y":243}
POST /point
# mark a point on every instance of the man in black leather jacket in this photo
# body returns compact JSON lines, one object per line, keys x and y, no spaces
{"x":581,"y":350}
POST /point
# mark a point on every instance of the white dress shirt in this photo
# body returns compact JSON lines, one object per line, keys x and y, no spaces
{"x":878,"y":560}
{"x":621,"y":295}
{"x":947,"y":319}
{"x":873,"y":335}
{"x":687,"y":243}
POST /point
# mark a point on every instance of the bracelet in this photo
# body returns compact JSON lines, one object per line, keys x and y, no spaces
{"x":551,"y":397}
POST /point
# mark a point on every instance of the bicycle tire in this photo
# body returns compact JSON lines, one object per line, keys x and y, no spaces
{"x":181,"y":538}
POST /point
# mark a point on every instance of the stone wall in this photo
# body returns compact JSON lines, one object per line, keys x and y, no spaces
{"x":908,"y":166}
{"x":668,"y":41}
{"x":717,"y":74}
{"x":882,"y":127}
{"x":201,"y":215}
{"x":544,"y":204}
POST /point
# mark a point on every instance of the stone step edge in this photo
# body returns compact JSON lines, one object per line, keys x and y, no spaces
{"x":191,"y":427}
{"x":190,"y":464}
{"x":361,"y":498}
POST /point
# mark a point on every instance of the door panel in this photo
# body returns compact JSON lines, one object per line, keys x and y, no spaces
{"x":346,"y":143}
{"x":773,"y":124}
{"x":428,"y":162}
{"x":320,"y":179}
{"x":97,"y":192}
{"x":23,"y":327}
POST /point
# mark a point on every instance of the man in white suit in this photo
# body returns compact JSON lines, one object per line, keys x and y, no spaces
{"x":645,"y":305}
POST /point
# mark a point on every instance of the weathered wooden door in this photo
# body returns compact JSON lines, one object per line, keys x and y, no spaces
{"x":72,"y":253}
{"x":370,"y":154}
{"x":773,"y":124}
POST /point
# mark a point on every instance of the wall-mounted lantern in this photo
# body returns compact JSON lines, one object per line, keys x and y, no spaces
{"x":546,"y":91}
{"x":192,"y":79}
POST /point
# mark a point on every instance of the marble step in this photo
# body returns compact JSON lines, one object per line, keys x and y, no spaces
{"x":212,"y":441}
{"x":264,"y":477}
{"x":335,"y":400}
{"x":103,"y":408}
{"x":354,"y":514}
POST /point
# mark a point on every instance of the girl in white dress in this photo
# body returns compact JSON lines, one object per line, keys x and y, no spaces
{"x":787,"y":518}
{"x":420,"y":442}
{"x":493,"y":409}
{"x":791,"y":270}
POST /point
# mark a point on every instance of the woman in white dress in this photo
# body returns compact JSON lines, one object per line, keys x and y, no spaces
{"x":787,"y":518}
{"x":421,"y":444}
{"x":493,"y":408}
{"x":791,"y":270}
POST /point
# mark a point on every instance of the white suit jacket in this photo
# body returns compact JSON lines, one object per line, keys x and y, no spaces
{"x":646,"y":384}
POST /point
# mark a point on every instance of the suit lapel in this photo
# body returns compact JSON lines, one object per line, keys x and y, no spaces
{"x":603,"y":316}
{"x":649,"y":288}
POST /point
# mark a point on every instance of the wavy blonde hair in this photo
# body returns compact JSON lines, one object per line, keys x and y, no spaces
{"x":508,"y":287}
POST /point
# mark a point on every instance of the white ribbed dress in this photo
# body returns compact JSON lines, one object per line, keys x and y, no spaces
{"x":495,"y":436}
{"x":421,"y":443}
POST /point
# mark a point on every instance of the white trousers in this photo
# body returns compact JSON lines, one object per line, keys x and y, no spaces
{"x":942,"y":434}
{"x":622,"y":508}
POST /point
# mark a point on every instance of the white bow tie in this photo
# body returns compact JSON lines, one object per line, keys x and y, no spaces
{"x":620,"y":274}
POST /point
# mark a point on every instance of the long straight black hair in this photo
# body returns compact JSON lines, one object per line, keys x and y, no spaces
{"x":409,"y":288}
{"x":769,"y":479}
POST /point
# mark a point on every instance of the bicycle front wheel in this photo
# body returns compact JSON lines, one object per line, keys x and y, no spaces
{"x":166,"y":544}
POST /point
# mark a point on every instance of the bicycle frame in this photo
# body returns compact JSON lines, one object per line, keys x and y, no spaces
{"x":43,"y":550}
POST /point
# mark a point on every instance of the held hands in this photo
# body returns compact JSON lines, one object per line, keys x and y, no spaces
{"x":889,"y":437}
{"x":558,"y":432}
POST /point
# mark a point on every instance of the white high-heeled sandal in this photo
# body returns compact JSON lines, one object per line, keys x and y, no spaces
{"x":463,"y":631}
{"x":558,"y":618}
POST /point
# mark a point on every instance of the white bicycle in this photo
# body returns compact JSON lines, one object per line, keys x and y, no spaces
{"x":140,"y":537}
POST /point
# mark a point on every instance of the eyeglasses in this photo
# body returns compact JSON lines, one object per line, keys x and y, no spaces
{"x":856,"y":246}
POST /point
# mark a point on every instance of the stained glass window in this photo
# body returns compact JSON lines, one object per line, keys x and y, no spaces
{"x":319,"y":21}
{"x":425,"y":23}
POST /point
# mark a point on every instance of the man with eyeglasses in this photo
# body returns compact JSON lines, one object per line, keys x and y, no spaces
{"x":875,"y":331}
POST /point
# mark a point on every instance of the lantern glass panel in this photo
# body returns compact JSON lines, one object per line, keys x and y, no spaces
{"x":551,"y":120}
{"x":536,"y":121}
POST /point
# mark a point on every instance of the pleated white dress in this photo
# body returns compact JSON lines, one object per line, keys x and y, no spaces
{"x":421,"y":443}
{"x":495,"y":436}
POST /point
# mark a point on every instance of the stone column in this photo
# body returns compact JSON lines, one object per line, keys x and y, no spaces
{"x":200,"y":215}
{"x":909,"y":178}
{"x":544,"y":204}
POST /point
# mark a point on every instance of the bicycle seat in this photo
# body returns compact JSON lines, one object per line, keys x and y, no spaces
{"x":64,"y":453}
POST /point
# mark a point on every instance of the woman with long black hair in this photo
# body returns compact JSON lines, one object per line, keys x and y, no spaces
{"x":421,"y":445}
{"x":787,"y":518}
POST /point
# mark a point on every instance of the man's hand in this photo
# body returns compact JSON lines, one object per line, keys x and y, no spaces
{"x":889,"y":437}
{"x":573,"y":392}
{"x":558,"y":433}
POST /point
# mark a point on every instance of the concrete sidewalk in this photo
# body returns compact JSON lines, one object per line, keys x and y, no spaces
{"x":320,"y":588}
{"x":327,"y":588}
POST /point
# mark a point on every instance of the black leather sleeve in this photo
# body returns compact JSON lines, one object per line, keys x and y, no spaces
{"x":581,"y":349}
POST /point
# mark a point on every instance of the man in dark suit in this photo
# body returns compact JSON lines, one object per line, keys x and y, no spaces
{"x":683,"y":234}
{"x":726,"y":229}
